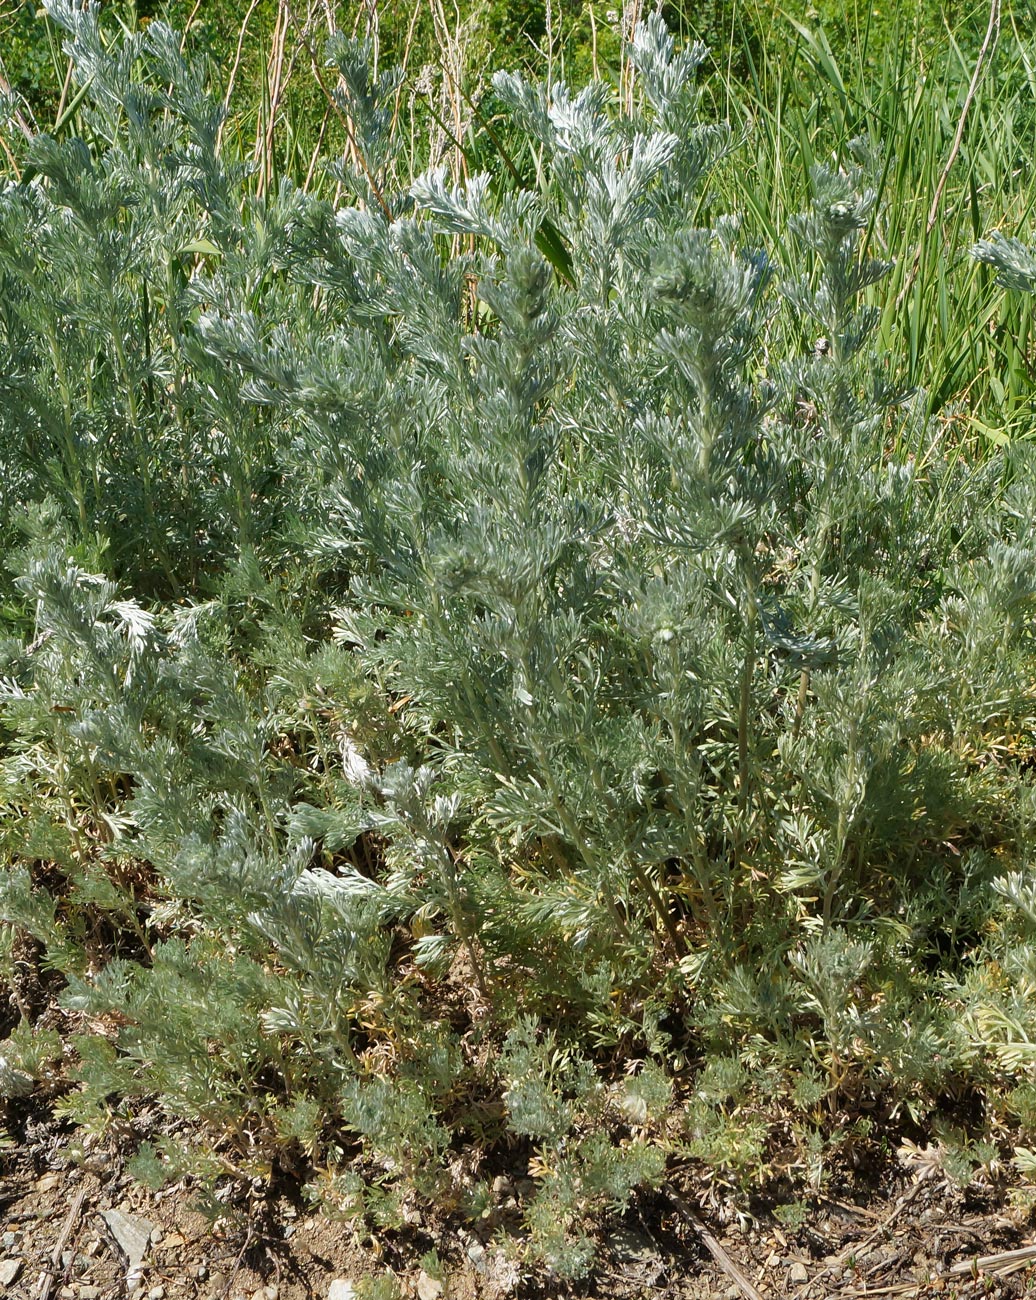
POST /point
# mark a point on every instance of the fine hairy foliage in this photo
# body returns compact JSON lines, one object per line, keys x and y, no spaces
{"x":498,"y":667}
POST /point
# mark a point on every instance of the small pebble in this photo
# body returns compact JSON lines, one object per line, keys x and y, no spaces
{"x":270,"y":1291}
{"x":10,"y":1240}
{"x":156,"y":1237}
{"x":201,"y":1272}
{"x":341,"y":1289}
{"x":156,"y":1293}
{"x":89,"y":1293}
{"x":798,"y":1274}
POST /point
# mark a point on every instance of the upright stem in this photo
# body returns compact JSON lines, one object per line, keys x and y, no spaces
{"x":815,"y":576}
{"x":141,"y":443}
{"x":835,"y":873}
{"x":661,"y":910}
{"x":72,"y":459}
{"x":458,"y":919}
{"x":695,"y":833}
{"x":745,"y":699}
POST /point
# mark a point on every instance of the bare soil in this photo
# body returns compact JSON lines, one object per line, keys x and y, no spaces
{"x":918,"y":1236}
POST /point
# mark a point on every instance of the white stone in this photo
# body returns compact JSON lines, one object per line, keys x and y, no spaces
{"x":9,"y":1270}
{"x":132,"y":1235}
{"x":341,"y":1289}
{"x":428,"y":1287}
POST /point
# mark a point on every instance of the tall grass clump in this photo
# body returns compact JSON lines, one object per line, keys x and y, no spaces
{"x":487,"y":673}
{"x":948,"y":124}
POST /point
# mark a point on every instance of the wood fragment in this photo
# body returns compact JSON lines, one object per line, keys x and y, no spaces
{"x":992,"y":1263}
{"x":853,"y":1211}
{"x":714,"y":1248}
{"x":249,"y":1234}
{"x":888,"y":1263}
{"x":1001,"y":1264}
{"x":767,"y":1263}
{"x":50,"y":1273}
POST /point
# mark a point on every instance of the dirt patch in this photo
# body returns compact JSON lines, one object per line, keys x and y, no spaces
{"x":77,"y":1227}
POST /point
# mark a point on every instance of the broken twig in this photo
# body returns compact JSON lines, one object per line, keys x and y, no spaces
{"x":50,"y":1273}
{"x":715,"y":1249}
